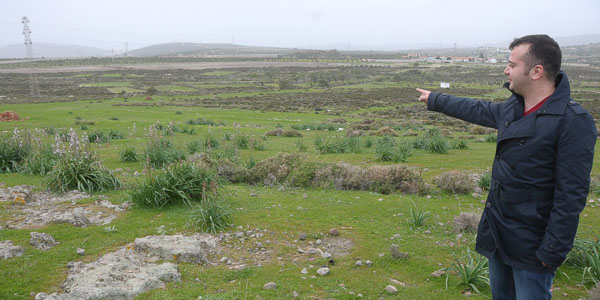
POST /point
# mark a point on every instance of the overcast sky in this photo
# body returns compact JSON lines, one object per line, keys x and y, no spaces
{"x":108,"y":24}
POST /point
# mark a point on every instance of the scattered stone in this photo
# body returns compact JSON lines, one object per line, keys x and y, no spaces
{"x":8,"y":250}
{"x":334,"y":232}
{"x":369,"y":263}
{"x":41,"y":296}
{"x":304,"y":271}
{"x":252,"y":194}
{"x":438,"y":273}
{"x":398,"y":282}
{"x":391,"y":289}
{"x":318,"y":242}
{"x":326,"y":255}
{"x":80,"y":252}
{"x":358,"y":263}
{"x":122,"y":274}
{"x":193,"y":248}
{"x":323,"y":271}
{"x":295,"y":294}
{"x":302,"y":236}
{"x":270,"y":286}
{"x":338,"y":246}
{"x":42,"y":241}
{"x":359,"y":295}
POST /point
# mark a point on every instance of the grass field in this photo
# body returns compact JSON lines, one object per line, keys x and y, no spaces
{"x":373,"y":221}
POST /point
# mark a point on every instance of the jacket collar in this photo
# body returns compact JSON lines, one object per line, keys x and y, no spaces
{"x":557,"y":102}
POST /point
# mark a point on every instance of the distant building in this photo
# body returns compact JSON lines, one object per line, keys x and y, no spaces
{"x":445,"y":85}
{"x":492,"y":60}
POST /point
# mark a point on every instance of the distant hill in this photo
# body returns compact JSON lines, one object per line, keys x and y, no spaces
{"x":49,"y":50}
{"x":201,"y":49}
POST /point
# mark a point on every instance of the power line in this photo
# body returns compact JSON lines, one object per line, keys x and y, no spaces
{"x":33,"y":84}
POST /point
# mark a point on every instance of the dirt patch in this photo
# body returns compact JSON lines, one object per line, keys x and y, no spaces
{"x":35,"y":210}
{"x":338,"y":246}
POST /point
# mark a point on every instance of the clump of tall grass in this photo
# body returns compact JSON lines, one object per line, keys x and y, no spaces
{"x":194,"y":146}
{"x":242,"y":141}
{"x":160,"y":152}
{"x":343,"y":145}
{"x":491,"y":138}
{"x":181,"y":183}
{"x":97,"y":136}
{"x":432,"y":141}
{"x":472,"y":270}
{"x":418,"y":217}
{"x":485,"y":181}
{"x":78,"y":168}
{"x":386,"y":149}
{"x":40,"y":161}
{"x":586,"y":255}
{"x":210,"y":216}
{"x":128,"y":155}
{"x":14,"y":149}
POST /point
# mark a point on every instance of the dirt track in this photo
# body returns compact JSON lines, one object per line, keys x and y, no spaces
{"x":174,"y":66}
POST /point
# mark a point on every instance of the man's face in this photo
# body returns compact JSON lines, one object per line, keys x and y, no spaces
{"x":517,"y":70}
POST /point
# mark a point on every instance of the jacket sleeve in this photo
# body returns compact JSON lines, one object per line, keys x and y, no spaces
{"x":474,"y":111}
{"x":574,"y":159}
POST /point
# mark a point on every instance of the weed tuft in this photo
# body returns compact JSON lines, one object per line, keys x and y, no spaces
{"x":466,"y":221}
{"x":455,"y":182}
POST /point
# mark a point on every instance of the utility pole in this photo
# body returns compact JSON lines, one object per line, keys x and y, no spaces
{"x":33,"y":83}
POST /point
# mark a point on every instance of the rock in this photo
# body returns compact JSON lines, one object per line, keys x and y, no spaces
{"x":41,"y":296}
{"x":80,"y":252}
{"x":369,"y":263}
{"x":122,"y":274}
{"x":295,"y":294}
{"x":358,"y":263}
{"x":193,"y":248}
{"x":398,"y":282}
{"x":323,"y":271}
{"x":326,"y":255}
{"x":302,"y":236}
{"x":136,"y":173}
{"x":391,"y":289}
{"x":438,"y":273}
{"x":8,"y":250}
{"x":42,"y":241}
{"x":304,"y":271}
{"x":270,"y":286}
{"x":20,"y":194}
{"x":117,"y":170}
{"x":334,"y":232}
{"x":318,"y":242}
{"x":253,"y":194}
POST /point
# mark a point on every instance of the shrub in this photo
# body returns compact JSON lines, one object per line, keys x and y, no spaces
{"x":115,"y":134}
{"x":472,"y":270}
{"x":386,"y":149}
{"x":386,"y":131}
{"x":232,"y":172}
{"x":14,"y":149}
{"x":455,"y":182}
{"x":128,"y":155}
{"x":285,"y":133}
{"x":211,"y":142}
{"x":160,"y":152}
{"x":181,"y":183}
{"x":461,"y":144}
{"x":300,"y":146}
{"x":396,"y":253}
{"x":466,"y":221}
{"x":278,"y":166}
{"x":210,"y":216}
{"x":256,"y":145}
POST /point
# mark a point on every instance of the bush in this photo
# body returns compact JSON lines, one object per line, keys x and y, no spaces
{"x":211,"y":142}
{"x":466,"y":222}
{"x":160,"y":152}
{"x":455,"y":182}
{"x":181,"y":183}
{"x":461,"y":144}
{"x":210,"y":216}
{"x":232,"y":172}
{"x":386,"y":149}
{"x":241,"y":141}
{"x":300,"y":145}
{"x":285,"y":133}
{"x":115,"y":134}
{"x":202,"y":121}
{"x":97,"y":136}
{"x":128,"y":155}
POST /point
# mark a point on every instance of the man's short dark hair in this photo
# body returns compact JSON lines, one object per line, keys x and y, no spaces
{"x":543,"y":50}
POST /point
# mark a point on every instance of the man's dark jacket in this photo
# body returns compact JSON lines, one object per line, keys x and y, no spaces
{"x":540,"y":176}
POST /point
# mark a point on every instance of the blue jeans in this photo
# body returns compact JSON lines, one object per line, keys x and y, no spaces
{"x":509,"y":282}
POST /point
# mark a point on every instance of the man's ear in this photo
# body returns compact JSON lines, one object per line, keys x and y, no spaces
{"x":536,"y":72}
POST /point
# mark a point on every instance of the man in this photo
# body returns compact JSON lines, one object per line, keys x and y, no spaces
{"x":540,"y":175}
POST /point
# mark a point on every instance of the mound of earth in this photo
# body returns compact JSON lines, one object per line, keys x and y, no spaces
{"x":9,"y":116}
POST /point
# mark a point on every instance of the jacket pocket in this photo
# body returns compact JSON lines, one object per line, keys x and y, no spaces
{"x":520,"y":207}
